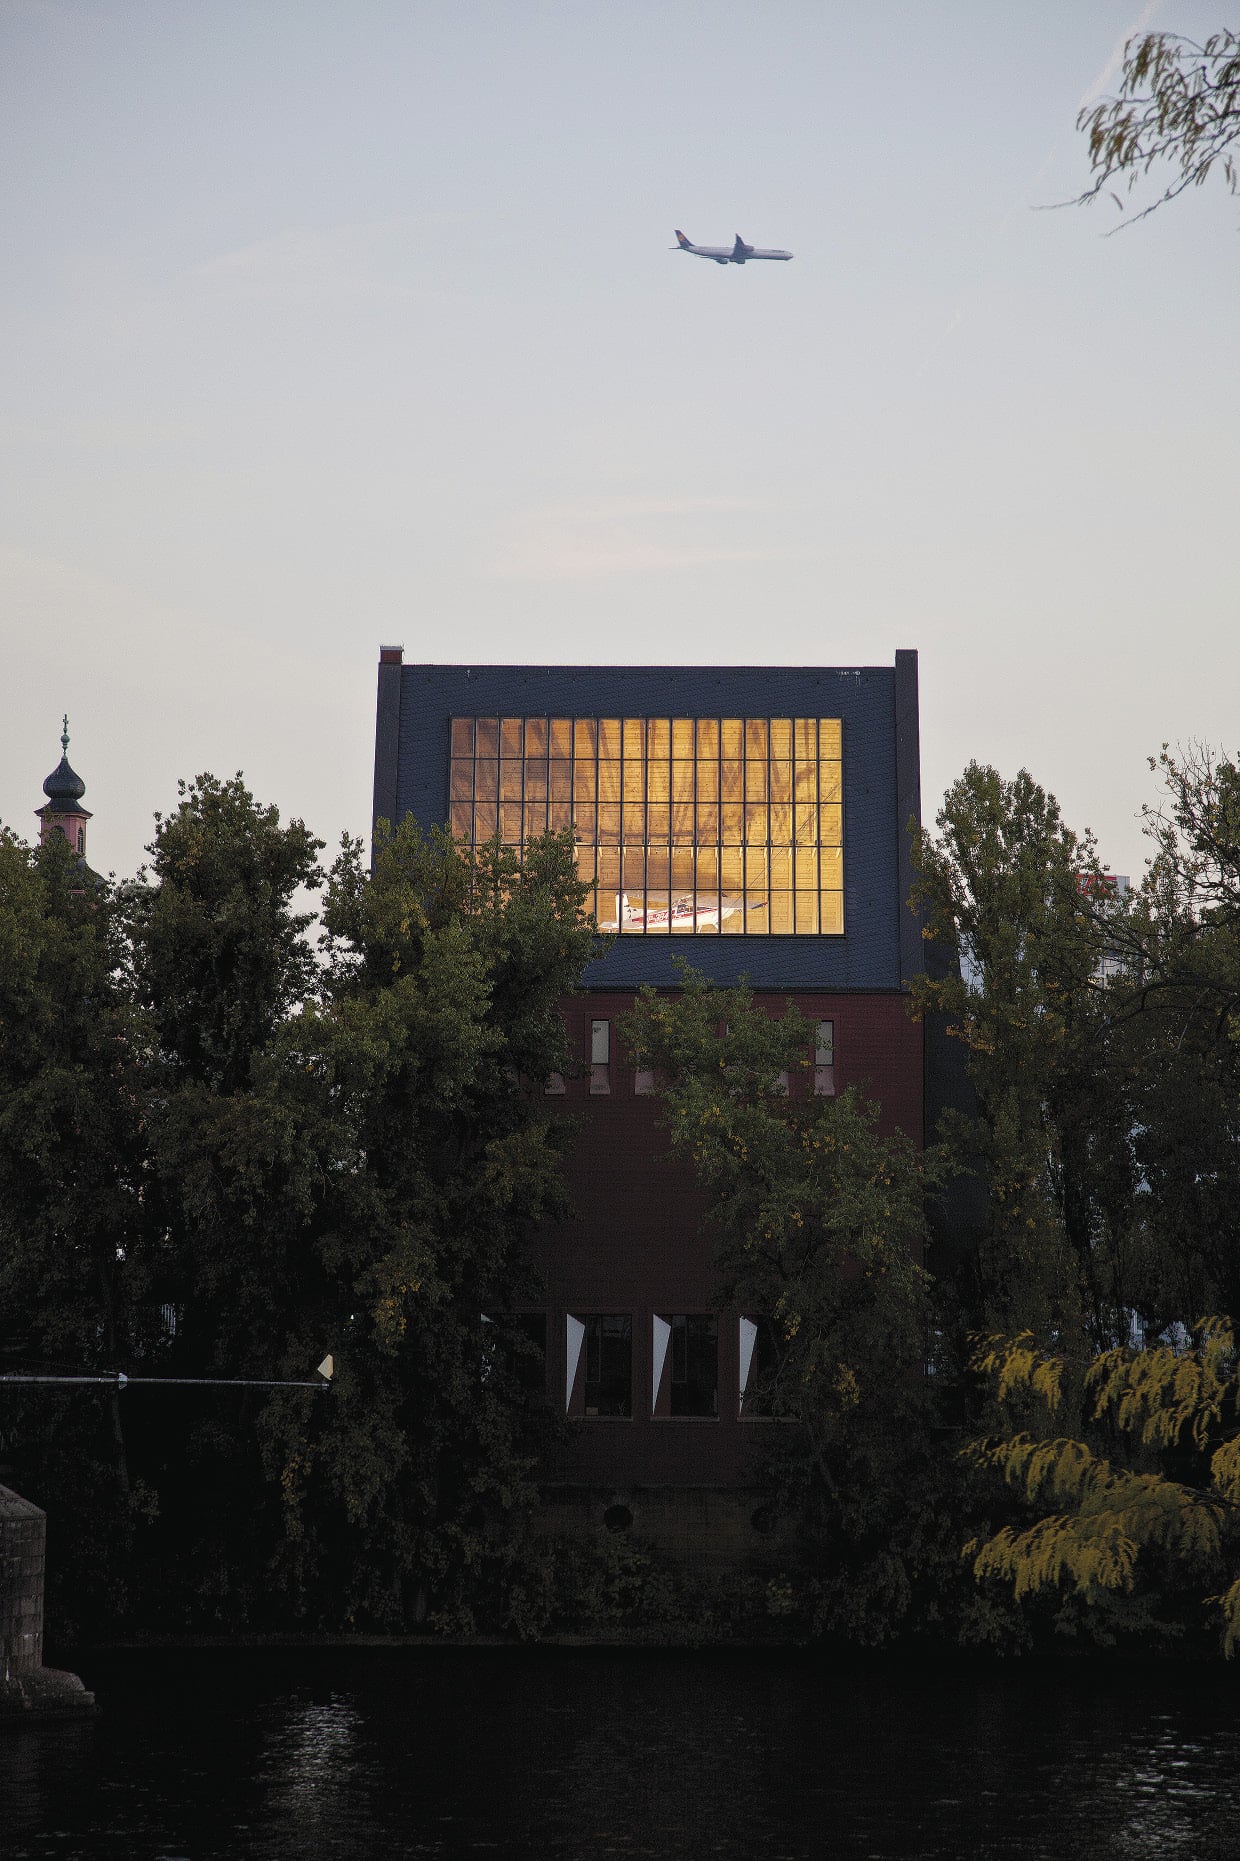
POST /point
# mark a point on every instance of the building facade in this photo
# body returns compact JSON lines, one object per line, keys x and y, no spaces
{"x":756,"y":821}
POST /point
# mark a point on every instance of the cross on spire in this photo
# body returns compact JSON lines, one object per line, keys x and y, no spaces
{"x":64,"y":734}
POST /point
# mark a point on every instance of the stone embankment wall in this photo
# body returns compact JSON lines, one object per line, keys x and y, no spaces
{"x":27,"y":1688}
{"x":23,"y":1549}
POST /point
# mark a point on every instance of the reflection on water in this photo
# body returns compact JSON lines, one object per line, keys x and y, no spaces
{"x":570,"y":1755}
{"x":1166,"y":1787}
{"x":308,"y":1764}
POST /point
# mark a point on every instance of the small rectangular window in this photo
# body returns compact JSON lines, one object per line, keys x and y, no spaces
{"x":600,"y":1056}
{"x":643,"y":1081}
{"x":529,"y":1352}
{"x":608,"y":1351}
{"x":516,"y":1344}
{"x":694,"y":1364}
{"x":555,"y":1085}
{"x":824,"y":1060}
{"x":761,"y":1353}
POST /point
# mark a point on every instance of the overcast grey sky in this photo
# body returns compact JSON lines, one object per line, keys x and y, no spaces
{"x":329,"y":325}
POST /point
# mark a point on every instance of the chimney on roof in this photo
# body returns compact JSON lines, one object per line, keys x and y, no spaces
{"x":391,"y":655}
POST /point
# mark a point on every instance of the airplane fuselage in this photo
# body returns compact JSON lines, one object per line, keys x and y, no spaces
{"x":737,"y":254}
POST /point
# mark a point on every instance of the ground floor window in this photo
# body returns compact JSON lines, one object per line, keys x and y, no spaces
{"x":695,"y":1365}
{"x":761,"y":1353}
{"x":600,"y":1364}
{"x":516,"y":1343}
{"x":686,"y":1364}
{"x":529,"y":1356}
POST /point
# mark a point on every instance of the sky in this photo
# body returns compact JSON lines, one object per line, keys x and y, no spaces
{"x":326,"y":326}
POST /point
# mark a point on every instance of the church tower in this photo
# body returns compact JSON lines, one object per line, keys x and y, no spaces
{"x":63,"y":812}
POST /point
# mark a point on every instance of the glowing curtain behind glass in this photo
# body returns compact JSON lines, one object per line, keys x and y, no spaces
{"x":720,"y":826}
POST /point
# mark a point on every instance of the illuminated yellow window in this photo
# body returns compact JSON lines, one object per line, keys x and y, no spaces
{"x":705,"y":826}
{"x":561,"y":739}
{"x":584,"y":780}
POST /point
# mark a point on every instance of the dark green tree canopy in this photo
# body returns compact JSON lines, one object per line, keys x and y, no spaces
{"x":220,"y":952}
{"x":225,"y":1153}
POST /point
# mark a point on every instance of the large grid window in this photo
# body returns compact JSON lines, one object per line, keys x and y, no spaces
{"x":729,"y":826}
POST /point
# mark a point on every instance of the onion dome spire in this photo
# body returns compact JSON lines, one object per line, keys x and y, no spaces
{"x":64,"y":788}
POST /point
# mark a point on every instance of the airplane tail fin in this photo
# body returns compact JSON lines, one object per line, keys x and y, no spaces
{"x":686,"y":245}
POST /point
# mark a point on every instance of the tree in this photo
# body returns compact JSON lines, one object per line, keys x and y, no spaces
{"x":424,"y":1063}
{"x":1178,"y":106}
{"x":221,"y":954}
{"x":1002,"y":889}
{"x":818,"y":1223}
{"x":71,"y":1187}
{"x":1118,"y":1439}
{"x":1176,"y":1027}
{"x":219,"y":962}
{"x":1144,"y":1505}
{"x":226,"y":1154}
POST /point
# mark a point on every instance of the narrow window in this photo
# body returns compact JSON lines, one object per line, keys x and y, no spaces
{"x":686,"y":1364}
{"x":554,"y":1087}
{"x":643,"y":1081}
{"x":81,"y":839}
{"x":608,"y":1353}
{"x":761,"y":1354}
{"x":824,"y":1060}
{"x":600,"y":1056}
{"x":515,"y":1345}
{"x":529,"y":1352}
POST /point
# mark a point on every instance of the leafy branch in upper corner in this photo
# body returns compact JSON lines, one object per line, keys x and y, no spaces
{"x":1178,"y":104}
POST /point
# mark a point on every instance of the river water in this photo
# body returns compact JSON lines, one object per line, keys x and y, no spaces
{"x":573,"y":1755}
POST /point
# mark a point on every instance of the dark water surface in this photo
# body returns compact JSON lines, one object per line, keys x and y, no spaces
{"x":559,"y":1754}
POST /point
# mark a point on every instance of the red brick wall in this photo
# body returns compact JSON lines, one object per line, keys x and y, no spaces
{"x":637,"y":1244}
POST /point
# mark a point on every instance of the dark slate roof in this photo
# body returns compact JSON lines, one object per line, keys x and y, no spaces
{"x":64,"y":788}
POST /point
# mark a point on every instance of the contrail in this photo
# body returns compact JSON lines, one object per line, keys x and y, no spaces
{"x":1116,"y":59}
{"x":1094,"y":90}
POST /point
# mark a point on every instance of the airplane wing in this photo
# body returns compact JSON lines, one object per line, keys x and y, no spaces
{"x":740,"y":251}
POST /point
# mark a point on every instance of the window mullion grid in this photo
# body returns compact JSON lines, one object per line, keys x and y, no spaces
{"x":572,"y":796}
{"x":623,"y":786}
{"x":768,"y":838}
{"x":671,"y":804}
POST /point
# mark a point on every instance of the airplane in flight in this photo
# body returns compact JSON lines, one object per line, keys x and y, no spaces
{"x":739,"y":254}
